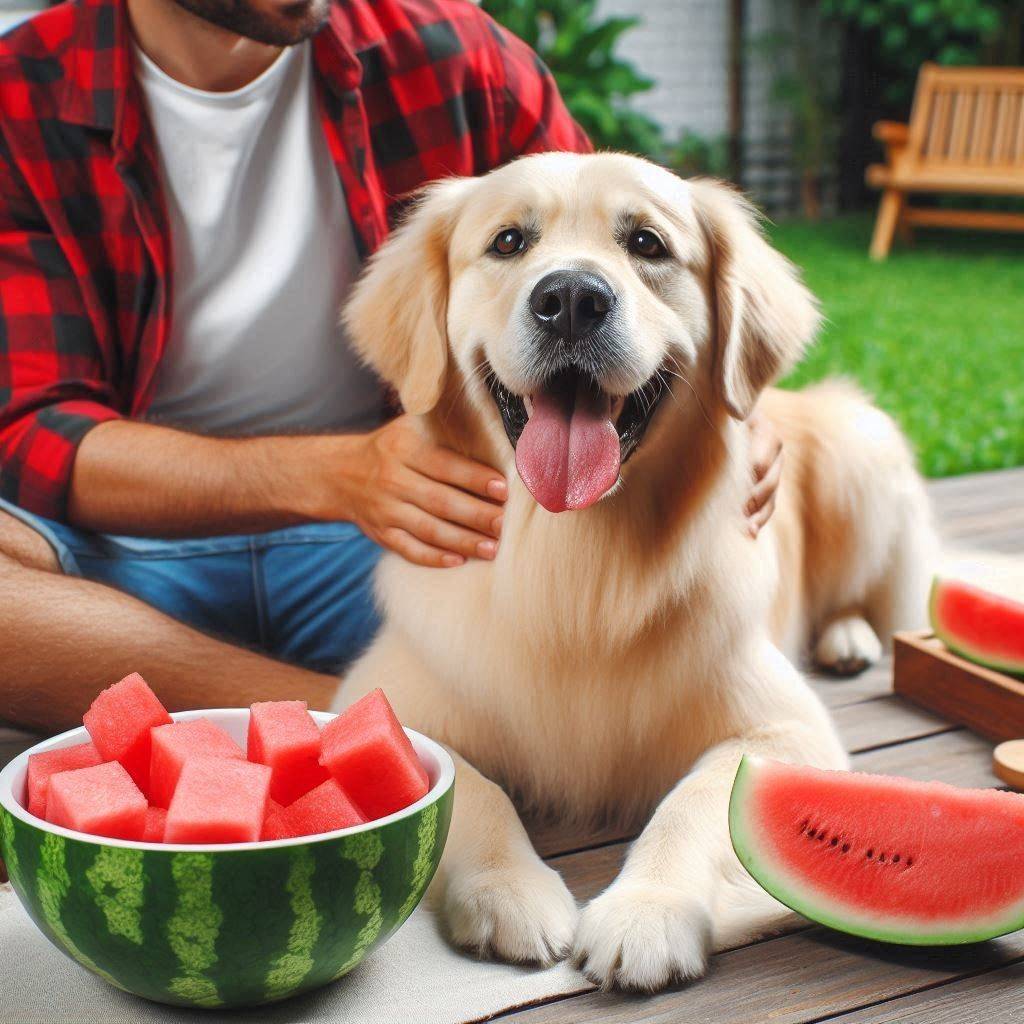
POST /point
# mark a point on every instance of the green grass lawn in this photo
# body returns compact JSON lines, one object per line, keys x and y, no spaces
{"x":935,"y":335}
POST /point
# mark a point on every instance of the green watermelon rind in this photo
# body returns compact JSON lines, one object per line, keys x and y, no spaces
{"x":787,"y":891}
{"x":961,"y":647}
{"x":319,"y":908}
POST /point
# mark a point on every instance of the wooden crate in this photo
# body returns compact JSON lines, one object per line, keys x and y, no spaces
{"x":988,"y":702}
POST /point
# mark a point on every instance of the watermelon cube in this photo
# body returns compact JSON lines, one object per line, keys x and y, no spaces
{"x":218,"y":800}
{"x":321,"y":810}
{"x":366,"y":749}
{"x":283,"y":735}
{"x":101,"y":800}
{"x":42,"y":766}
{"x":156,"y":821}
{"x":119,"y":722}
{"x":274,"y":826}
{"x":174,"y":744}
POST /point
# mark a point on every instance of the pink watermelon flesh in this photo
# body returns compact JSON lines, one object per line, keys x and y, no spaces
{"x":919,"y":863}
{"x":321,"y":810}
{"x":368,"y":752}
{"x":119,"y":722}
{"x":283,"y":735}
{"x":156,"y":821}
{"x":101,"y":800}
{"x":174,"y":744}
{"x":274,"y":826}
{"x":42,"y":766}
{"x":982,"y":626}
{"x":218,"y":800}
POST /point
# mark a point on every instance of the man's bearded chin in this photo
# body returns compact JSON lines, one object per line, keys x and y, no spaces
{"x":266,"y":22}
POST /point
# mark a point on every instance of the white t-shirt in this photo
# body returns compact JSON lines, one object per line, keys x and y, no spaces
{"x":263,"y":255}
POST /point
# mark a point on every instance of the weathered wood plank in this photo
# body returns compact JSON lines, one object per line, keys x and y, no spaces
{"x":836,"y":692}
{"x":994,"y":997}
{"x":806,"y":976}
{"x":885,"y":720}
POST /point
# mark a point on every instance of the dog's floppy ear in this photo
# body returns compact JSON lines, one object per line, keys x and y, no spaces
{"x":397,"y":314}
{"x":764,"y":315}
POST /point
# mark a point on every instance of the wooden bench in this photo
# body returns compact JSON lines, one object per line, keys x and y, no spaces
{"x":966,"y":136}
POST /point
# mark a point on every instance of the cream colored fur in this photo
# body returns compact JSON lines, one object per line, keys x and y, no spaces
{"x":618,"y":661}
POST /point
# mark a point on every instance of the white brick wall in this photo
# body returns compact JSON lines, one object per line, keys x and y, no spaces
{"x":682,"y":45}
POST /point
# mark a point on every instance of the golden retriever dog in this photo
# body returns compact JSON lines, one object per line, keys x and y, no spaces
{"x":600,"y":329}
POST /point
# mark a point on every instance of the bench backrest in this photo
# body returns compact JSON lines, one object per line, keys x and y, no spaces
{"x":968,"y":119}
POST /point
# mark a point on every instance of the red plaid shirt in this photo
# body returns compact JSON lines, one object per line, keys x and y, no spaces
{"x":409,"y":91}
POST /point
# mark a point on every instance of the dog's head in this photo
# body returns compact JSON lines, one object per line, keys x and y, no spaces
{"x":566,"y":296}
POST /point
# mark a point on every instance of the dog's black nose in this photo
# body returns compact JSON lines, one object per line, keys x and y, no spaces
{"x":571,"y":303}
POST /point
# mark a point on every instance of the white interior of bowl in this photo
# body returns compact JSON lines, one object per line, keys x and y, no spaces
{"x":235,"y":721}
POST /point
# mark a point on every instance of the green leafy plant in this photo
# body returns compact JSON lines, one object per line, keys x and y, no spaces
{"x":694,"y":154}
{"x":910,"y":32}
{"x":579,"y":47}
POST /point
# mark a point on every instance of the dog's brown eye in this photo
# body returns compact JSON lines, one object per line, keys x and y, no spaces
{"x":646,"y":243}
{"x":508,"y":242}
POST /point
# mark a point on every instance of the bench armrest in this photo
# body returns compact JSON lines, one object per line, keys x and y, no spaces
{"x":893,"y":135}
{"x":891,"y":132}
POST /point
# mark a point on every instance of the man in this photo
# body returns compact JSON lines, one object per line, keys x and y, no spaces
{"x":187,"y":189}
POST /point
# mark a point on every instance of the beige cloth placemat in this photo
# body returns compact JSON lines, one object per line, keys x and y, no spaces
{"x":416,"y":978}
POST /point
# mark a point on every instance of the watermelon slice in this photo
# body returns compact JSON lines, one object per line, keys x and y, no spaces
{"x":101,"y":800}
{"x":978,"y":624}
{"x":218,"y":800}
{"x":156,"y":821}
{"x":174,"y":744}
{"x":274,"y":826}
{"x":323,"y":809}
{"x":918,"y":863}
{"x":366,"y":749}
{"x":42,"y":766}
{"x":283,"y":735}
{"x":119,"y":722}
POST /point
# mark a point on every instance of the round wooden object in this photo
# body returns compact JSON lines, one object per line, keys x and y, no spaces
{"x":1008,"y":763}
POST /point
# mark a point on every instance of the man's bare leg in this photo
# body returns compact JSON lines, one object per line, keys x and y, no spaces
{"x":63,"y":639}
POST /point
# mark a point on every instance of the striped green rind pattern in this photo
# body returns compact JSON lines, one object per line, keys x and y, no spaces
{"x":231,"y":928}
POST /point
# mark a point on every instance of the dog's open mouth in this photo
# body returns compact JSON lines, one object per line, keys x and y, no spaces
{"x":571,"y":437}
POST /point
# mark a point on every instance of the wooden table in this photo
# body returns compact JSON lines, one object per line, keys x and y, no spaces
{"x":811,"y":974}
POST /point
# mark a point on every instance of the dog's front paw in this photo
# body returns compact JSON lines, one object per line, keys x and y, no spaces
{"x":522,"y":914}
{"x":642,"y":938}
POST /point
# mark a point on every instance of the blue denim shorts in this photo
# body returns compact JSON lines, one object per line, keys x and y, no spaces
{"x":303,"y":594}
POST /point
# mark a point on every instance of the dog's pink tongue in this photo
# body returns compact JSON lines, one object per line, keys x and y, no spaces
{"x":568,"y":453}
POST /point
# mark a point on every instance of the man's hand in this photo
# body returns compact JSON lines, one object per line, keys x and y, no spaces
{"x":429,"y":504}
{"x":766,"y":467}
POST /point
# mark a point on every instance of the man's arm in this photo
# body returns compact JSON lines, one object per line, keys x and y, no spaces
{"x":431,"y":505}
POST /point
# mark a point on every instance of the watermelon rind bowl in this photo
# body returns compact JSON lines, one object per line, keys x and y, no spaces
{"x":217,"y":926}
